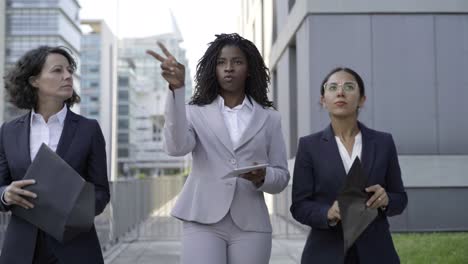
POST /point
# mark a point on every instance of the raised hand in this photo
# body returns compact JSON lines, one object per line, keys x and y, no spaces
{"x":172,"y":71}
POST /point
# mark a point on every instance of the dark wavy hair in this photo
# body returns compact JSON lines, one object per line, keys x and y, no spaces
{"x":207,"y":86}
{"x":357,"y":77}
{"x":21,"y":93}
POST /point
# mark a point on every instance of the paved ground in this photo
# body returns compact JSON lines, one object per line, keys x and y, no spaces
{"x":156,"y":242}
{"x":284,"y":251}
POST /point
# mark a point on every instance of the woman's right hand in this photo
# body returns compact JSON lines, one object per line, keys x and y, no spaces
{"x":172,"y":71}
{"x":333,"y":215}
{"x":15,"y":194}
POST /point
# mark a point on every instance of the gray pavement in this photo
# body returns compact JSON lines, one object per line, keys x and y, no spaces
{"x":157,"y":242}
{"x":284,"y":251}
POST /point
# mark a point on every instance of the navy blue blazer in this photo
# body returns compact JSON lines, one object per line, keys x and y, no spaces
{"x":318,"y":178}
{"x":82,"y":146}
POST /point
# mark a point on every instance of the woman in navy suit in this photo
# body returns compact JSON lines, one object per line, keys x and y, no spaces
{"x":42,"y":82}
{"x":323,"y":159}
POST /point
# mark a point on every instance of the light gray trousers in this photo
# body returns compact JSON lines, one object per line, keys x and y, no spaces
{"x":223,"y":243}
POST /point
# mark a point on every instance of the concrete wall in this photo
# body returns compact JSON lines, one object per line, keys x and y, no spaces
{"x":413,"y":66}
{"x":433,"y":209}
{"x":437,"y":188}
{"x":413,"y":57}
{"x":108,"y":100}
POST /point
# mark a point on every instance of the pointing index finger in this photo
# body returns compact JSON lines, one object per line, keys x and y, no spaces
{"x":155,"y":55}
{"x":164,"y":50}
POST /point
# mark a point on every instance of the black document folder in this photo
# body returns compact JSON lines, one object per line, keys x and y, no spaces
{"x":65,"y":202}
{"x":355,"y":215}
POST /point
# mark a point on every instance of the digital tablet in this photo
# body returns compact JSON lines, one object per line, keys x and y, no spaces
{"x":243,"y":170}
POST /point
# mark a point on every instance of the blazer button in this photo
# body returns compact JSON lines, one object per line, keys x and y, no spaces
{"x":233,"y":161}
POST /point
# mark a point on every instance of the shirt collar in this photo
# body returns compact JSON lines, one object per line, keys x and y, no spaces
{"x":60,"y":115}
{"x":357,"y":138}
{"x":247,"y":103}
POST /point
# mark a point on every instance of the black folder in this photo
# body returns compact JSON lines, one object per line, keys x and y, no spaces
{"x":355,"y":215}
{"x":65,"y":202}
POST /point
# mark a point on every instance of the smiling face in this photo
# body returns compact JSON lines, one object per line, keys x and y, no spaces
{"x":231,"y":70}
{"x":341,"y":96}
{"x":55,"y":82}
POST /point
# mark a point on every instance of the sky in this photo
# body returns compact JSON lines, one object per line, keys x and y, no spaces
{"x":198,"y":20}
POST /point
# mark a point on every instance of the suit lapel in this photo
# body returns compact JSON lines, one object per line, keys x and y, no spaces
{"x":68,"y":132}
{"x":22,"y":139}
{"x":332,"y":155}
{"x":215,"y":122}
{"x":368,"y":150}
{"x":259,"y":117}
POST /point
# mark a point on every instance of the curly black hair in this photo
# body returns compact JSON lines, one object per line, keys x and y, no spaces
{"x":207,"y":86}
{"x":21,"y":93}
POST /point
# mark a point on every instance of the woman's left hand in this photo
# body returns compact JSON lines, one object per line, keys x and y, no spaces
{"x":379,"y":198}
{"x":172,"y":71}
{"x":257,"y":177}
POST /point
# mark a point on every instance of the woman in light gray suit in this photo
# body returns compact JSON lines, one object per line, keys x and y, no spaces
{"x":228,"y":124}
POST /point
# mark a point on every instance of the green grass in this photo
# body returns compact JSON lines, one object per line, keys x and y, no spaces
{"x":432,"y":248}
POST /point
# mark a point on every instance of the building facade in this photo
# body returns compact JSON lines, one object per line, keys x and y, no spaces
{"x":309,"y":38}
{"x":127,"y":113}
{"x":99,"y":82}
{"x":150,"y":92}
{"x":30,"y":24}
{"x":413,"y":58}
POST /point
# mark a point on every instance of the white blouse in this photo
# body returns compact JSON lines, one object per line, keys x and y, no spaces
{"x":236,"y":119}
{"x":357,"y":149}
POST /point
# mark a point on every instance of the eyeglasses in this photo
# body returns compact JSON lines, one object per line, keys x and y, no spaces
{"x":347,"y":87}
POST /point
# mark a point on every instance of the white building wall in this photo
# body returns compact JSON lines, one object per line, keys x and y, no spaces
{"x":108,"y":98}
{"x":106,"y":93}
{"x":151,"y":90}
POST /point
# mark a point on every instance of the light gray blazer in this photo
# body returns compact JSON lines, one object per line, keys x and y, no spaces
{"x":211,"y":190}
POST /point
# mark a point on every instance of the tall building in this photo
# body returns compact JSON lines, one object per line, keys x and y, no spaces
{"x":30,"y":24}
{"x":413,"y":58}
{"x":303,"y":40}
{"x":151,"y":90}
{"x":127,"y":117}
{"x":99,"y":82}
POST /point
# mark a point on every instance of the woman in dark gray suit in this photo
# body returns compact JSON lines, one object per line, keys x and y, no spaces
{"x":42,"y":82}
{"x":229,"y":123}
{"x":323,"y":159}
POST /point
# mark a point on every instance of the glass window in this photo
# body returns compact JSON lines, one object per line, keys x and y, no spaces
{"x":123,"y":138}
{"x":123,"y":95}
{"x":123,"y":81}
{"x":123,"y":152}
{"x":123,"y":124}
{"x":123,"y":109}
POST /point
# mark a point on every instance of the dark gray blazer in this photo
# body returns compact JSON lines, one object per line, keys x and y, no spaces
{"x":318,"y":178}
{"x":82,"y":146}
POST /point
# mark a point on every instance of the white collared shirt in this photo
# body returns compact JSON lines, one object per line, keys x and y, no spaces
{"x":236,"y":119}
{"x":48,"y":133}
{"x":42,"y":132}
{"x":357,"y":149}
